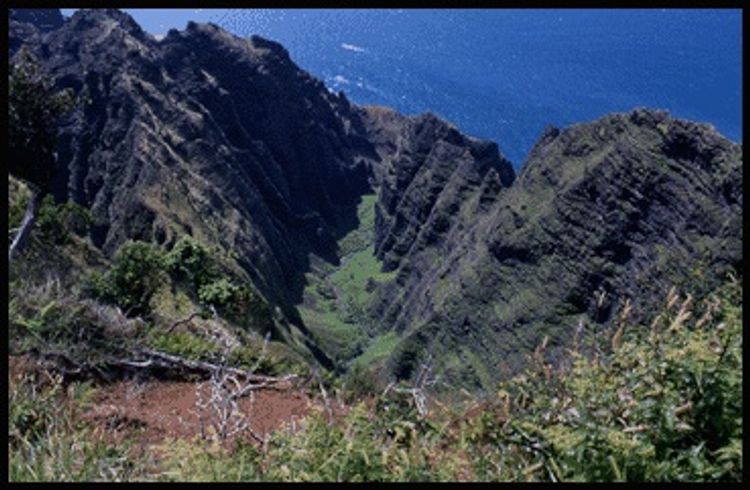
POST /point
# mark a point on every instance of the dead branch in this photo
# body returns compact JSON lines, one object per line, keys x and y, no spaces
{"x":29,"y":218}
{"x":418,"y":391}
{"x":163,"y":359}
{"x":324,"y":393}
{"x":221,"y":409}
{"x":183,"y":321}
{"x":388,"y":388}
{"x":63,"y":363}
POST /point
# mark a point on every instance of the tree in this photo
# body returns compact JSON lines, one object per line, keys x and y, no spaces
{"x":33,"y":113}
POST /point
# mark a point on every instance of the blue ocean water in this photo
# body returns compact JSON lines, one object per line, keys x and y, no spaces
{"x":506,"y":74}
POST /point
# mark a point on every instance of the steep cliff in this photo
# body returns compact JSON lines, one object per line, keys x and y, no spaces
{"x":207,"y":134}
{"x":621,"y":208}
{"x":429,"y":176}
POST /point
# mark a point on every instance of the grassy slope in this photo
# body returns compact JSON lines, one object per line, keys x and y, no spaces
{"x":335,"y":298}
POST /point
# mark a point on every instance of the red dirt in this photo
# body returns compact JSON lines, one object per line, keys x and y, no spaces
{"x":153,"y":411}
{"x":18,"y":366}
{"x":157,"y":410}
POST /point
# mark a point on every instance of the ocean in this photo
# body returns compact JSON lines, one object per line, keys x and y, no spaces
{"x":503,"y":74}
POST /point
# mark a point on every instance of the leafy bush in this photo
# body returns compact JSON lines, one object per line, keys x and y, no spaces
{"x":190,"y":261}
{"x":239,"y":303}
{"x":664,"y":405}
{"x":198,"y":266}
{"x":137,"y":271}
{"x":57,"y":221}
{"x":220,"y":294}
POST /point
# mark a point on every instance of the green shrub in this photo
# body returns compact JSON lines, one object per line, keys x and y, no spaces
{"x":220,"y":294}
{"x":137,"y":272}
{"x":238,"y":303}
{"x":192,"y":262}
{"x":57,"y":221}
{"x":664,"y":405}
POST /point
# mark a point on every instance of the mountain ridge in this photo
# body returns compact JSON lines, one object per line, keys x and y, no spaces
{"x":226,"y":139}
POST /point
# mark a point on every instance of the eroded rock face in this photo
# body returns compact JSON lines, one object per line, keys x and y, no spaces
{"x":430,"y":177}
{"x":228,"y":140}
{"x":625,"y":206}
{"x":208,"y":134}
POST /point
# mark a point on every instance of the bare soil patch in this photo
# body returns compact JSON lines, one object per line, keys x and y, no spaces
{"x":156,"y":410}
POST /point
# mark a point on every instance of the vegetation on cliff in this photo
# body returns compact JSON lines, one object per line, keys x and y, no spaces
{"x":222,"y":271}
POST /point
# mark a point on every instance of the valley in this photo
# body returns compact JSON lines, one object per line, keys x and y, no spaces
{"x":198,"y":225}
{"x":336,"y":298}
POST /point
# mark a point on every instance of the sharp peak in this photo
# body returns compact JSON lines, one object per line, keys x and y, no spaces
{"x":200,"y":30}
{"x":85,"y":17}
{"x":209,"y":30}
{"x":115,"y":14}
{"x":651,"y":118}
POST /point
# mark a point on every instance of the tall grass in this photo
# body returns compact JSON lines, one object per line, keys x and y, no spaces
{"x":48,"y":441}
{"x":662,"y":402}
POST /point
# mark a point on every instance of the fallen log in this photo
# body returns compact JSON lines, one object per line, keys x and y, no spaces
{"x":162,"y":359}
{"x":149,"y":359}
